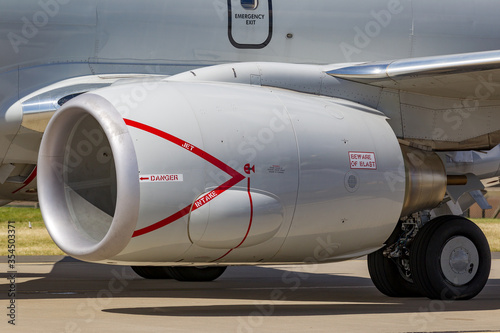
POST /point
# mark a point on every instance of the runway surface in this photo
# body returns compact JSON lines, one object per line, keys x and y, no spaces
{"x":57,"y":294}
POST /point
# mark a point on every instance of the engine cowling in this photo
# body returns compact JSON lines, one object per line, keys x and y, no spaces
{"x":210,"y":173}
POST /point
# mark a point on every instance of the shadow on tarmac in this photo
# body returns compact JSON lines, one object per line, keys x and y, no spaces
{"x":263,"y":290}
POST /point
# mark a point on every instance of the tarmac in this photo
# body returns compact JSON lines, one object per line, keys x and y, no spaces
{"x":61,"y":294}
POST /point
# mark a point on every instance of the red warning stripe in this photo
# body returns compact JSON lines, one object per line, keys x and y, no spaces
{"x":236,"y":176}
{"x":249,"y":225}
{"x":186,"y":145}
{"x":28,"y":180}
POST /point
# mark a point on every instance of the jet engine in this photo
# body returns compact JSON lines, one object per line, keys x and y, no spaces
{"x":187,"y":173}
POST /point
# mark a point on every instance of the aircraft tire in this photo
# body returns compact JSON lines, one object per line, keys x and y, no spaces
{"x":386,"y":275}
{"x":450,"y":259}
{"x":196,"y":274}
{"x":152,"y":272}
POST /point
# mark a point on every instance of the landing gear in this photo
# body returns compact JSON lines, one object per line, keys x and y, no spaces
{"x":152,"y":272}
{"x":196,"y":274}
{"x":450,"y":259}
{"x":193,"y":274}
{"x":389,"y":267}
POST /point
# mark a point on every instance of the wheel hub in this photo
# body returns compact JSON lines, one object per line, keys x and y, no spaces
{"x":459,"y":260}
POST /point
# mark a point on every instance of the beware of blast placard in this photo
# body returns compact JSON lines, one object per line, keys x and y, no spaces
{"x":362,"y":160}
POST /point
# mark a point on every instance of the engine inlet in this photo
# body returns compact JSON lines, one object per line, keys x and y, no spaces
{"x":88,"y":186}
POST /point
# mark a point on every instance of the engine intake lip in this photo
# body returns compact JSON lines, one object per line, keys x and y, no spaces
{"x":57,"y":209}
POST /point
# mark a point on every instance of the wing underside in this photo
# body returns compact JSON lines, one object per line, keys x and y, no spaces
{"x":444,"y":102}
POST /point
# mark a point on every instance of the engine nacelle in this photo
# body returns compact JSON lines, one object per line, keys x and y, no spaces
{"x":203,"y":173}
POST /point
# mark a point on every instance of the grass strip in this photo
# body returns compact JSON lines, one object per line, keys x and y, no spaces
{"x":30,"y":241}
{"x":35,"y":240}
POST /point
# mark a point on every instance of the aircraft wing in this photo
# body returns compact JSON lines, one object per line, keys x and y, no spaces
{"x":470,"y":75}
{"x":443,"y":102}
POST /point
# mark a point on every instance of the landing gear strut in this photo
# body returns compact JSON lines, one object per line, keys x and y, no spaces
{"x":389,"y":267}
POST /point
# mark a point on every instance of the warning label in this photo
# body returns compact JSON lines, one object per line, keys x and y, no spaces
{"x":162,"y":178}
{"x":275,"y":169}
{"x":362,"y":160}
{"x":206,"y":198}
